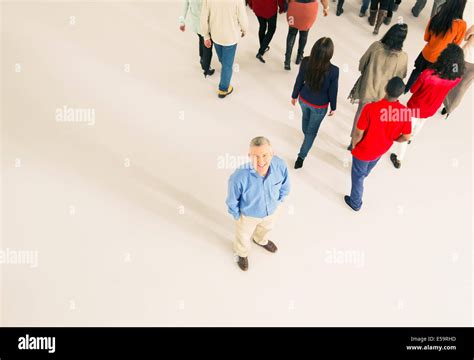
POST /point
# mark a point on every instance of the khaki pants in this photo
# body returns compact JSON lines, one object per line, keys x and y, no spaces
{"x":248,"y":228}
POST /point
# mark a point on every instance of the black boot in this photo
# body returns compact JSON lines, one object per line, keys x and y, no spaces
{"x":339,"y":9}
{"x":290,"y":42}
{"x":299,"y":58}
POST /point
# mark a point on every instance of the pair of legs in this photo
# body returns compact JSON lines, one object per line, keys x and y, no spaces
{"x":249,"y":228}
{"x":360,"y":170}
{"x":290,"y":42}
{"x":226,"y":55}
{"x":416,"y":125}
{"x":311,"y":121}
{"x":420,"y":4}
{"x":205,"y":55}
{"x":420,"y":64}
{"x":378,"y":12}
{"x":265,"y":32}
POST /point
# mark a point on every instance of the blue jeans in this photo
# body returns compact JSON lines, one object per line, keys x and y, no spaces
{"x":360,"y":170}
{"x":312,"y":118}
{"x":365,"y":6}
{"x":226,"y":55}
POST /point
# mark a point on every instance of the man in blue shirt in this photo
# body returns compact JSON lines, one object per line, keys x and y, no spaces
{"x":256,"y":189}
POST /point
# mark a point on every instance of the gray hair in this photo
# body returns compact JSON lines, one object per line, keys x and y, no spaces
{"x":259,"y":141}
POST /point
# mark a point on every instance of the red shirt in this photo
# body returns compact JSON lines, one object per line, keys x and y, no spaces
{"x":266,"y":8}
{"x":383,"y":122}
{"x":429,"y":92}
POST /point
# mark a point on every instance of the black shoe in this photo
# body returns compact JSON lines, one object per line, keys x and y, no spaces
{"x":299,"y":163}
{"x":260,"y":57}
{"x":347,"y":199}
{"x":415,"y":13}
{"x":387,"y":20}
{"x":339,"y":11}
{"x":209,"y":72}
{"x":287,"y":66}
{"x":444,"y":111}
{"x":222,"y":94}
{"x":243,"y":263}
{"x":299,"y":58}
{"x":395,"y":161}
{"x":349,"y":147}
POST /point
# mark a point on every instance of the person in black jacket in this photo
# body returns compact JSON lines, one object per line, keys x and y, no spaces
{"x":316,"y":89}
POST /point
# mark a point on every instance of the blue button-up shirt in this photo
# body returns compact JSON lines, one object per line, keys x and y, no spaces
{"x":251,"y":194}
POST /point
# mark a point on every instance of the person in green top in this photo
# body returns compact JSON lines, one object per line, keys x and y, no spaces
{"x":192,"y":13}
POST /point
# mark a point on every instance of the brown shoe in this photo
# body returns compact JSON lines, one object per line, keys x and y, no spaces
{"x":243,"y":263}
{"x":270,"y":246}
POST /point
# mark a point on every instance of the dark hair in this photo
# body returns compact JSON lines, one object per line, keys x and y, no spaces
{"x":395,"y":36}
{"x":443,"y":20}
{"x":318,"y":63}
{"x":395,"y":87}
{"x":450,"y":64}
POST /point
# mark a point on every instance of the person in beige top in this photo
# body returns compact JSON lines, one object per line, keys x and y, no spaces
{"x":224,"y":22}
{"x":455,"y":95}
{"x":382,"y":61}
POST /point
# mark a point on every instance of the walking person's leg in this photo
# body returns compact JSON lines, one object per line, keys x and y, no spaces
{"x":227,"y":59}
{"x":272,"y":22}
{"x":416,"y":125}
{"x":201,"y":49}
{"x":262,"y":29}
{"x":364,"y":7}
{"x":419,"y":5}
{"x":290,"y":42}
{"x":316,"y":116}
{"x":390,"y":11}
{"x":263,"y":230}
{"x":360,"y":106}
{"x":206,"y":57}
{"x":374,"y":8}
{"x":358,"y":174}
{"x":340,"y":5}
{"x":301,"y":45}
{"x":381,"y":14}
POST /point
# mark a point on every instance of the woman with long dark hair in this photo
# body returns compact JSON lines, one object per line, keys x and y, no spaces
{"x":429,"y":91}
{"x":316,"y":89}
{"x":382,"y":61}
{"x":444,"y":28}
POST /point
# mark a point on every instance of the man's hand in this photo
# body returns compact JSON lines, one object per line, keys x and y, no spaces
{"x":208,"y":43}
{"x":293,"y":102}
{"x":182,"y":27}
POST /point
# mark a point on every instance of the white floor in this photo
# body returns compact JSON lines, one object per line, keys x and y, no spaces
{"x":128,"y":217}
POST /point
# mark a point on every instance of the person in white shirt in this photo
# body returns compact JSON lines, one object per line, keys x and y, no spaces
{"x":192,"y":13}
{"x":224,"y":22}
{"x":455,"y":96}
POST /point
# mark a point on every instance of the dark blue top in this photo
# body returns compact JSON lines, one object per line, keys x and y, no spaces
{"x":328,"y":92}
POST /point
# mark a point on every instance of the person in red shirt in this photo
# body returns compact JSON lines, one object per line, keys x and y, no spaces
{"x":266,"y":12}
{"x":430,"y":90}
{"x":379,"y":125}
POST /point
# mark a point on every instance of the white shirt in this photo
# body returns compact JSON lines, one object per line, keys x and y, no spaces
{"x":223,"y":21}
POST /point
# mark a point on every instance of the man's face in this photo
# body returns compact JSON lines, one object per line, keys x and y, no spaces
{"x":261,"y":156}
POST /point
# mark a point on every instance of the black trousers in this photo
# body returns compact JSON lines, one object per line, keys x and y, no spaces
{"x":266,"y":31}
{"x":379,"y":4}
{"x":205,"y":54}
{"x":391,"y":3}
{"x":290,"y":42}
{"x":420,"y":64}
